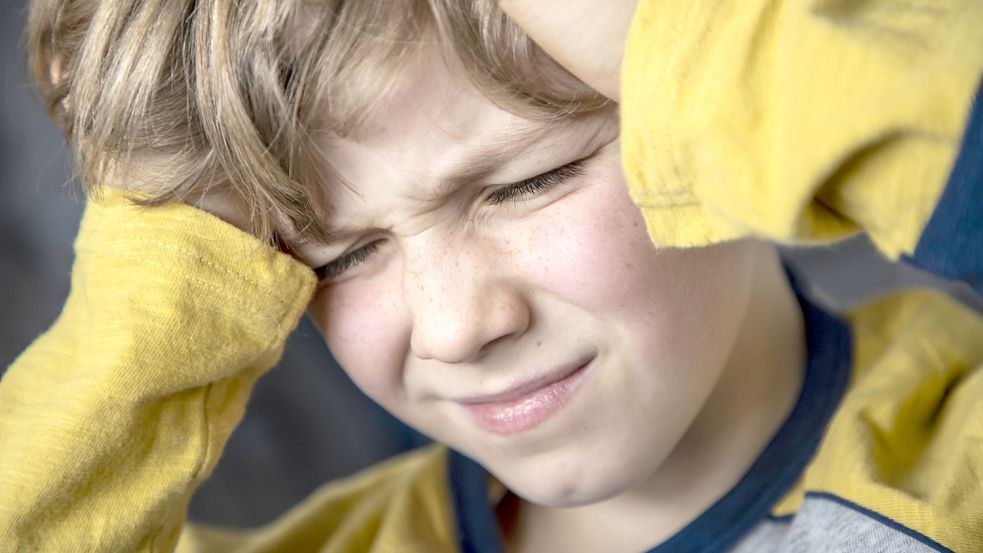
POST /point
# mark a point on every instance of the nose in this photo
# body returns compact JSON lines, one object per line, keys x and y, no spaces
{"x":462,"y":300}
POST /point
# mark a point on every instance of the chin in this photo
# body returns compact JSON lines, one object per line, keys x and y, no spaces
{"x":562,"y":484}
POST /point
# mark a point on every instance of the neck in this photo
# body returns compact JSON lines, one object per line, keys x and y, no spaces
{"x":755,"y":393}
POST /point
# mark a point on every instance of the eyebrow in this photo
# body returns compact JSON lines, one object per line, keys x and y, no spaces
{"x":487,"y":158}
{"x":483,"y":161}
{"x":476,"y":170}
{"x":444,"y":189}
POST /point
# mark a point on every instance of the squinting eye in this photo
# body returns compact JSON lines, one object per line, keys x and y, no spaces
{"x":539,"y":183}
{"x":346,"y":262}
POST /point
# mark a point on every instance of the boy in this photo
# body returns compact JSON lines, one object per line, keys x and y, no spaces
{"x":480,"y":270}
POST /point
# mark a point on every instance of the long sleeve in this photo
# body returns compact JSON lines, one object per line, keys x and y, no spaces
{"x":110,"y":420}
{"x":805,"y":121}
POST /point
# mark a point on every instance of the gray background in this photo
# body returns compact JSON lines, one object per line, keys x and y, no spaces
{"x":306,"y":423}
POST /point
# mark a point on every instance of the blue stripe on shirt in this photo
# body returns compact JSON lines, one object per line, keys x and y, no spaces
{"x":951,"y":245}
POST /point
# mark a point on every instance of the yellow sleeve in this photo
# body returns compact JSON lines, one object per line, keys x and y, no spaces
{"x":906,"y":439}
{"x":401,"y":504}
{"x":799,"y":121}
{"x":110,"y":420}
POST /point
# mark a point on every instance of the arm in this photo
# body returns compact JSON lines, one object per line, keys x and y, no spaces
{"x":798,"y":121}
{"x":110,"y":420}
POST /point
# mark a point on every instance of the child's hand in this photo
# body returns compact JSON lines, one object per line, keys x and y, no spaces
{"x":219,"y":203}
{"x":222,"y":205}
{"x":587,"y":37}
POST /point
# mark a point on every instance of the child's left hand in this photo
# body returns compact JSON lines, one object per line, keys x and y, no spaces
{"x":587,"y":37}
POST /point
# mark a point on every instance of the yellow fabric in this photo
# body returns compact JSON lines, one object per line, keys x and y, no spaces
{"x":796,"y":121}
{"x":400,"y":505}
{"x":907,"y":440}
{"x":111,"y":419}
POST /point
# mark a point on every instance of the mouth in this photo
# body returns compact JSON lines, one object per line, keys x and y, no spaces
{"x":529,"y":404}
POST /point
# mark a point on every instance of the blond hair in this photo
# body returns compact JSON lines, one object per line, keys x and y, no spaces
{"x":172,"y":97}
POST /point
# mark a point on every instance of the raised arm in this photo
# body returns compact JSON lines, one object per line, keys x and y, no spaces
{"x":799,"y":121}
{"x":110,"y":420}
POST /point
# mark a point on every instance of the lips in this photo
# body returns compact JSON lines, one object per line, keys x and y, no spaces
{"x":527,"y":405}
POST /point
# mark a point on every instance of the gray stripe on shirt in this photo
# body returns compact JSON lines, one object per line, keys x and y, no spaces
{"x":826,"y":526}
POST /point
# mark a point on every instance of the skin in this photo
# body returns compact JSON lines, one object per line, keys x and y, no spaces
{"x":601,"y":28}
{"x":696,"y":354}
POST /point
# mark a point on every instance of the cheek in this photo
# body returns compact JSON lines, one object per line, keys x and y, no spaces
{"x":593,"y":251}
{"x":364,"y":328}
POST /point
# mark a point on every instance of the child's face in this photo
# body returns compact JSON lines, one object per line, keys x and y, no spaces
{"x":470,"y":292}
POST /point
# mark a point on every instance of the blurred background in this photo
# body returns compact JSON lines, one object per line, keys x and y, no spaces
{"x":306,"y":423}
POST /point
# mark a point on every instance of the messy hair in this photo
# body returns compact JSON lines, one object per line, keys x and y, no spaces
{"x":175,"y":97}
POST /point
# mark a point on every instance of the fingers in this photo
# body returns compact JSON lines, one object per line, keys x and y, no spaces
{"x":587,"y":37}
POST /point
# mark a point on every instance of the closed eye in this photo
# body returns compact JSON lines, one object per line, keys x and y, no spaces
{"x":534,"y":185}
{"x":510,"y":193}
{"x":347,"y":261}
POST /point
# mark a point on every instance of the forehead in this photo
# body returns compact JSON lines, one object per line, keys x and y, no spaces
{"x":435,"y":130}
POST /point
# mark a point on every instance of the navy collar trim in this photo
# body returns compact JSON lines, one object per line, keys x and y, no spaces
{"x":477,"y":529}
{"x":770,"y":477}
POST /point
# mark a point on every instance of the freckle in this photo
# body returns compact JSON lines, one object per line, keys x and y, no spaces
{"x":539,"y":343}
